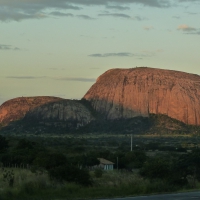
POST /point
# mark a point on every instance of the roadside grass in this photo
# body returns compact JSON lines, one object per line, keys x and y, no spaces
{"x":28,"y":185}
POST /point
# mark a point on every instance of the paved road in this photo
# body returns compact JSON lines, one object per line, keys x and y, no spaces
{"x":178,"y":196}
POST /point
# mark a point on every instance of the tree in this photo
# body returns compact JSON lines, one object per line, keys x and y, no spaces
{"x":3,"y":143}
{"x":50,"y":160}
{"x":25,"y":144}
{"x":70,"y":173}
{"x":155,"y":168}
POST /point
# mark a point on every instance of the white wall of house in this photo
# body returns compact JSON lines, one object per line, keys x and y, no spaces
{"x":108,"y":167}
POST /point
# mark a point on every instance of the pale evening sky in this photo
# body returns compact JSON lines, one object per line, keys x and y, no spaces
{"x":59,"y":47}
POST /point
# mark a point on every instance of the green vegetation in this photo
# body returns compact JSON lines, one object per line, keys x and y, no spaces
{"x":52,"y":167}
{"x":154,"y":124}
{"x":29,"y":185}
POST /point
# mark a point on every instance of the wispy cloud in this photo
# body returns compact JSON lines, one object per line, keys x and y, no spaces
{"x":152,"y":3}
{"x":85,"y":17}
{"x":185,"y":27}
{"x":197,"y":32}
{"x":10,"y":14}
{"x":189,"y":1}
{"x":176,"y":17}
{"x":148,"y":28}
{"x":121,"y":54}
{"x":142,"y":54}
{"x":8,"y":47}
{"x":25,"y":77}
{"x":33,"y":9}
{"x":191,"y":13}
{"x":188,"y":29}
{"x":118,"y":7}
{"x":79,"y":79}
{"x":115,"y":15}
{"x":61,"y":14}
{"x":152,"y":52}
{"x":139,"y":18}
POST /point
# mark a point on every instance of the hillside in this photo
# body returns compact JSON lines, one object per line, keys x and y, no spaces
{"x":137,"y":100}
{"x":127,"y":93}
{"x":50,"y":115}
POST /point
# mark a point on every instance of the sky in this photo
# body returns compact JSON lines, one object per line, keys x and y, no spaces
{"x":60,"y":47}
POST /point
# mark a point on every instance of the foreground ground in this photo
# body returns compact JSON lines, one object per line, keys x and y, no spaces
{"x":178,"y":196}
{"x":158,"y":164}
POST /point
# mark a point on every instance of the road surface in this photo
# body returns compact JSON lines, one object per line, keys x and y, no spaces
{"x":177,"y":196}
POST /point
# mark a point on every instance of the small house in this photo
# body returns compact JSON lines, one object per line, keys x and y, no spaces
{"x":106,"y":164}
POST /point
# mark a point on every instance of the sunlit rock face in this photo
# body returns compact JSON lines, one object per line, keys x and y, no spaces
{"x":16,"y":109}
{"x":126,"y":93}
{"x":45,"y":109}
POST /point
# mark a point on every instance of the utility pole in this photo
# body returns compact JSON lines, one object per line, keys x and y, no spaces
{"x":117,"y":163}
{"x":131,"y":142}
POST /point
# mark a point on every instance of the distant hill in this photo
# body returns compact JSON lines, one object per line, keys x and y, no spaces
{"x":127,"y":93}
{"x":138,"y":100}
{"x":40,"y":114}
{"x":154,"y":125}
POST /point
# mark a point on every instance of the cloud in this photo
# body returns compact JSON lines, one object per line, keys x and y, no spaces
{"x":18,"y":10}
{"x":191,"y":13}
{"x":115,"y":15}
{"x":152,"y":3}
{"x":142,"y":54}
{"x":147,"y":28}
{"x":118,"y":7}
{"x":84,"y":17}
{"x":8,"y":47}
{"x":189,"y":1}
{"x":176,"y":17}
{"x":139,"y":18}
{"x":121,"y":54}
{"x":80,"y":79}
{"x":25,"y":77}
{"x":16,"y":15}
{"x":33,"y":9}
{"x":185,"y":27}
{"x":188,"y":30}
{"x":194,"y":33}
{"x":61,"y":14}
{"x":149,"y":53}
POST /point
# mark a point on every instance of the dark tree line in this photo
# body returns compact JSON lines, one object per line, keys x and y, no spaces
{"x":175,"y":169}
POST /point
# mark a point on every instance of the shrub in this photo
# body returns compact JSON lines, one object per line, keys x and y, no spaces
{"x":155,"y":168}
{"x":98,"y":173}
{"x":70,"y":174}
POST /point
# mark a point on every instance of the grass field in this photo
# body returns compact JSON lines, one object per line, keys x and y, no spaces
{"x":28,"y":185}
{"x":35,"y":185}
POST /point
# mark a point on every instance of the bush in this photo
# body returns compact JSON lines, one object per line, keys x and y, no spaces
{"x":70,"y":174}
{"x":50,"y":160}
{"x":3,"y":143}
{"x":156,"y":168}
{"x":98,"y":173}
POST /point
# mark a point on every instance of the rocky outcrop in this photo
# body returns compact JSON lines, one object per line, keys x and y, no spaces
{"x":62,"y":111}
{"x":16,"y":109}
{"x":126,"y":93}
{"x":46,"y":112}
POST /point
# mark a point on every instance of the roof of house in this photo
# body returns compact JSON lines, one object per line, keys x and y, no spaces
{"x":105,"y":162}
